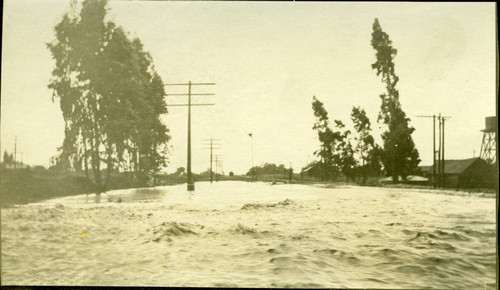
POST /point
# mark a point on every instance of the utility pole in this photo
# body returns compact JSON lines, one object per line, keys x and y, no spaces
{"x":439,"y":177}
{"x":434,"y":151}
{"x":15,"y":152}
{"x":253,"y":169}
{"x":442,"y":157}
{"x":218,"y":161}
{"x":211,"y":152}
{"x":190,"y":182}
{"x":439,"y":153}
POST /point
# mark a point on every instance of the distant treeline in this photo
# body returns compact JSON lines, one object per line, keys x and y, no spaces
{"x":271,"y":170}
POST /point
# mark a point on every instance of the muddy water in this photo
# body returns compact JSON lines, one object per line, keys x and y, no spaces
{"x":254,"y":235}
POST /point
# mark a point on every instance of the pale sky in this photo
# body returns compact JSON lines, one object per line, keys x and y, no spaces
{"x":268,"y":59}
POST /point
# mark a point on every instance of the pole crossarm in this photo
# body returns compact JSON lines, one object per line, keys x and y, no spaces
{"x":192,"y":84}
{"x":188,"y":105}
{"x":433,"y":116}
{"x":188,"y":95}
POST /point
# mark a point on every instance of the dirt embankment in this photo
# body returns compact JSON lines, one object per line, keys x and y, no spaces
{"x":21,"y":186}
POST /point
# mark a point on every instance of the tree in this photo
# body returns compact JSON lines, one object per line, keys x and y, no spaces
{"x":336,"y":150}
{"x":399,"y":155}
{"x":326,"y":137}
{"x":269,"y":169}
{"x":8,"y":158}
{"x":343,"y":151}
{"x":110,"y":95}
{"x":366,"y":149}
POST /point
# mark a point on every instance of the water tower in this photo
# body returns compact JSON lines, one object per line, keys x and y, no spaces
{"x":489,"y":145}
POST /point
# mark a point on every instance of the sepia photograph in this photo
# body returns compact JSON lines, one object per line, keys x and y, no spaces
{"x":237,"y":144}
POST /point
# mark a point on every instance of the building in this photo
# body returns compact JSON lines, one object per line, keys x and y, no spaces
{"x":465,"y":173}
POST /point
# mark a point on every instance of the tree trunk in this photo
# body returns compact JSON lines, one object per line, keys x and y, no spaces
{"x":85,"y":160}
{"x":108,"y":170}
{"x":394,"y":171}
{"x":363,"y":171}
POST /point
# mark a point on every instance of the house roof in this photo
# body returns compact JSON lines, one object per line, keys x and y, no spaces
{"x":453,"y":166}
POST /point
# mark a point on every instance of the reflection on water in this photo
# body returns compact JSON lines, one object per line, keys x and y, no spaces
{"x":253,"y":235}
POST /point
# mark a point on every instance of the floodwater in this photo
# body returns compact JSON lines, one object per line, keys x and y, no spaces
{"x":239,"y":234}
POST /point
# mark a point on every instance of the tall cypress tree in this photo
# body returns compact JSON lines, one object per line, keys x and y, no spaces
{"x":400,"y":157}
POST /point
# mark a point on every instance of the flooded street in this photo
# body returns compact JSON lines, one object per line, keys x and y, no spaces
{"x":254,"y":235}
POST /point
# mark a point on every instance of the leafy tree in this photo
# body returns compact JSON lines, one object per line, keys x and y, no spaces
{"x":366,"y":149}
{"x":270,"y":169}
{"x":399,"y":156}
{"x":326,"y":137}
{"x":110,"y":96}
{"x":8,"y":158}
{"x":343,"y":151}
{"x":336,"y":151}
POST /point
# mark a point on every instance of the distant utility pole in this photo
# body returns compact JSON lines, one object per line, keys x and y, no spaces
{"x":253,"y":169}
{"x":212,"y":144}
{"x":190,"y":182}
{"x":218,"y":161}
{"x":438,"y":180}
{"x":442,"y":152}
{"x":15,"y":152}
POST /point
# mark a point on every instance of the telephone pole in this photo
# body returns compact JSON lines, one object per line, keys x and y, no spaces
{"x":190,"y":182}
{"x":440,"y":166}
{"x":434,"y":151}
{"x":442,"y":154}
{"x":437,"y":179}
{"x":15,"y":152}
{"x":253,"y":169}
{"x":218,"y":161}
{"x":211,"y":152}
